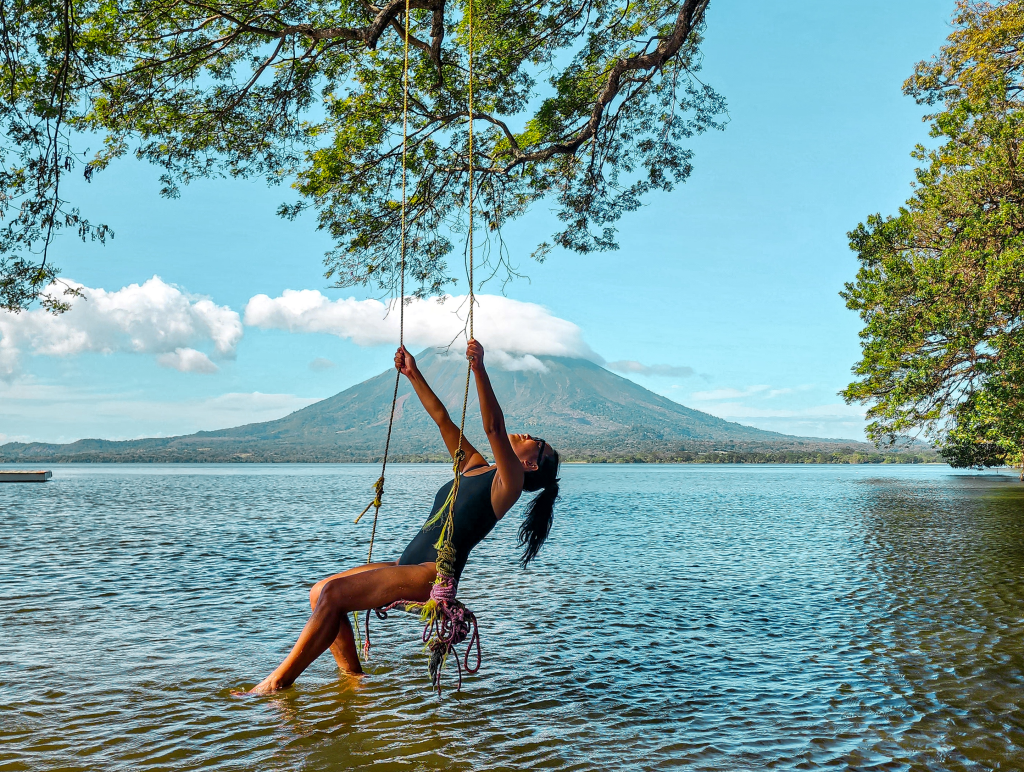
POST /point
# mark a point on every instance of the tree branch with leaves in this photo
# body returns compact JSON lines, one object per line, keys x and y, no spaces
{"x":587,"y":103}
{"x":941,"y":284}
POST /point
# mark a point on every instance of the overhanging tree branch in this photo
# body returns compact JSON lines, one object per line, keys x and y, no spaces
{"x":311,"y":92}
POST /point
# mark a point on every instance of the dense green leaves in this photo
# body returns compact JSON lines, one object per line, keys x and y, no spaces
{"x":941,"y":284}
{"x":43,"y":60}
{"x":584,"y":102}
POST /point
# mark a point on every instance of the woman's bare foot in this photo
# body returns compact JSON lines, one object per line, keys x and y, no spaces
{"x":268,"y":685}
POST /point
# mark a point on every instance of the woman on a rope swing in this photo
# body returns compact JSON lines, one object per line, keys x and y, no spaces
{"x":485,"y":494}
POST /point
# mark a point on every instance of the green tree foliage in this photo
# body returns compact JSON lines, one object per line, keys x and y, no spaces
{"x":43,"y":61}
{"x":941,"y":285}
{"x":588,"y":103}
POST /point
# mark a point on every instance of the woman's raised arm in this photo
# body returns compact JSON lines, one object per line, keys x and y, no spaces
{"x":508,"y":483}
{"x":405,"y":363}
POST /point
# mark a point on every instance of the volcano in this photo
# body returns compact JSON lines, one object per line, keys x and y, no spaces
{"x":584,"y":410}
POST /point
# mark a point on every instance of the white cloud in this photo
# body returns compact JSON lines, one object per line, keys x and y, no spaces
{"x":151,"y":318}
{"x":187,"y":360}
{"x":838,"y":410}
{"x":10,"y":358}
{"x":633,"y":367}
{"x":787,"y":411}
{"x":514,"y":333}
{"x":506,"y":361}
{"x":237,"y":408}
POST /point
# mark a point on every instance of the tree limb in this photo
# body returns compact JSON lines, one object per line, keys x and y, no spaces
{"x":690,"y":16}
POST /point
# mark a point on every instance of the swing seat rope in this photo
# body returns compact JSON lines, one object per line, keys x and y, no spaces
{"x":447,"y":622}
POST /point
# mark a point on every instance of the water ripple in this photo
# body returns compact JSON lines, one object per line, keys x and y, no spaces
{"x":717,"y":618}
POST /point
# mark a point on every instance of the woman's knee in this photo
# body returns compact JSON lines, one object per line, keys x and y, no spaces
{"x":333,"y":591}
{"x":315,"y":590}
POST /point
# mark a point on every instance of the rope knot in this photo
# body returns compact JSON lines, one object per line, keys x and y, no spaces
{"x":449,"y":624}
{"x":444,"y":590}
{"x":458,"y":458}
{"x":377,"y":503}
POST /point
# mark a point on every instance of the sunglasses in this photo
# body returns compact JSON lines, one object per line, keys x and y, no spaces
{"x":540,"y":448}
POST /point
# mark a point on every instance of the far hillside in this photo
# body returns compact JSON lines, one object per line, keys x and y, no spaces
{"x":585,"y":411}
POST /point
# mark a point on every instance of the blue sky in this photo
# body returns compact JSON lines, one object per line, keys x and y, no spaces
{"x":733,"y":276}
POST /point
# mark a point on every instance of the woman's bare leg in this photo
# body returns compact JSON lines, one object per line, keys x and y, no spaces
{"x":356,"y":592}
{"x":344,"y":648}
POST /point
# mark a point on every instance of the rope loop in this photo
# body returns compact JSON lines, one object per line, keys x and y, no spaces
{"x":447,"y":623}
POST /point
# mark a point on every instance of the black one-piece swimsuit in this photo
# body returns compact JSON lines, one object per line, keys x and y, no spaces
{"x":473,"y":519}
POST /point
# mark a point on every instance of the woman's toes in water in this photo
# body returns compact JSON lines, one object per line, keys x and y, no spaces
{"x":268,"y":685}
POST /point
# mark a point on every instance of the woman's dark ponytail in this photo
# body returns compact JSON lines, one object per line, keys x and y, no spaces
{"x":539,"y":512}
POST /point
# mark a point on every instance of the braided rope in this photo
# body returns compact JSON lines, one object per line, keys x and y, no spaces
{"x":447,"y":621}
{"x":378,"y":486}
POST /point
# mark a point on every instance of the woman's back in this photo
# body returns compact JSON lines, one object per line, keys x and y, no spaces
{"x":473,"y":519}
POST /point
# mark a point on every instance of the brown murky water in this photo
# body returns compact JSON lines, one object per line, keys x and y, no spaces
{"x":713,"y":618}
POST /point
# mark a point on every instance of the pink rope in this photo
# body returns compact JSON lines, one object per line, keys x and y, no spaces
{"x":453,"y":624}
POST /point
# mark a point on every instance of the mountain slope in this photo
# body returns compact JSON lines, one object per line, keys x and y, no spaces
{"x":579,"y":407}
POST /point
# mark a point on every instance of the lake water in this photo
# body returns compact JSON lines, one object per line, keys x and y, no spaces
{"x":700,"y":617}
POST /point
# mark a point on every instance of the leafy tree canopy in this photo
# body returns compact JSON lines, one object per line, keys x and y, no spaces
{"x":588,"y":103}
{"x":941,"y":285}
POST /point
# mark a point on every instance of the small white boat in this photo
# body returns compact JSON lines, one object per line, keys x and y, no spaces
{"x":24,"y":476}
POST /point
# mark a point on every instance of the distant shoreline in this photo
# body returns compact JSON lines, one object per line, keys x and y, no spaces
{"x":715,"y":458}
